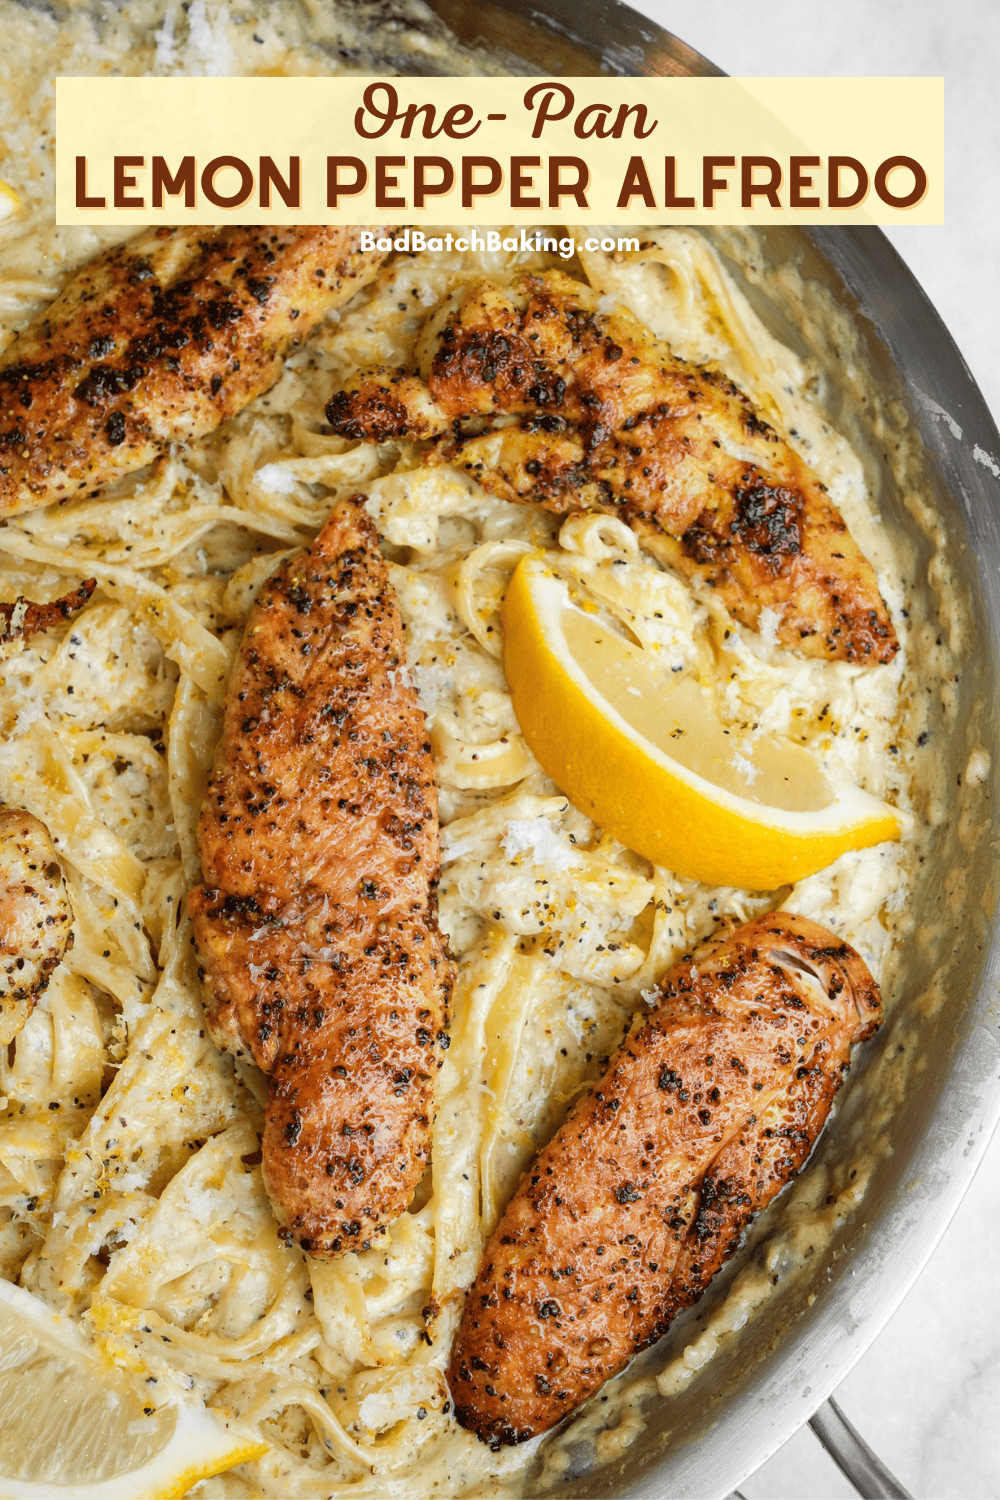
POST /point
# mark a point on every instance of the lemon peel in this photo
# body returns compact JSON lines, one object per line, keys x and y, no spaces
{"x":72,"y":1423}
{"x":651,"y":762}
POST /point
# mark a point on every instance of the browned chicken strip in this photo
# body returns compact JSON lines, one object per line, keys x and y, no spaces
{"x":611,"y":420}
{"x":24,"y":618}
{"x":36,"y":918}
{"x":706,"y":1111}
{"x":317,"y":920}
{"x":157,"y":341}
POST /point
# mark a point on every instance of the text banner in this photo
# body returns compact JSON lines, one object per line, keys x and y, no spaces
{"x":515,"y":151}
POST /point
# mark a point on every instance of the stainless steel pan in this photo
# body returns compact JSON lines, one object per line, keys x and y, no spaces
{"x":764,"y":1383}
{"x":940,"y":1054}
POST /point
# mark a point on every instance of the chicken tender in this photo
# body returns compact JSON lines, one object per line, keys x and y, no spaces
{"x":36,"y":918}
{"x":317,"y":920}
{"x":611,"y":420}
{"x":157,"y":341}
{"x":711,"y":1104}
{"x":24,"y":618}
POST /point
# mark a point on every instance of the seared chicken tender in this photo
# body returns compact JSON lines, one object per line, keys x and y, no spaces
{"x":24,"y":618}
{"x":317,"y":920}
{"x":611,"y":420}
{"x":36,"y":918}
{"x":711,"y":1104}
{"x":157,"y":341}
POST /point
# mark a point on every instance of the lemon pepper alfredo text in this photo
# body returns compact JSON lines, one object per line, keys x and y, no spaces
{"x":345,"y":150}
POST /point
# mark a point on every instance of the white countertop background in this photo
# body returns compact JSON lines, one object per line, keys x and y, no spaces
{"x":926,"y":1395}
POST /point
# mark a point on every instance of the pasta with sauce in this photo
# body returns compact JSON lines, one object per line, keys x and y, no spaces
{"x":130,"y":1190}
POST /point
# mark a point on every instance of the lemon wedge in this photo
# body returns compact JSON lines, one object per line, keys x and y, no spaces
{"x":646,"y":755}
{"x":73,"y":1424}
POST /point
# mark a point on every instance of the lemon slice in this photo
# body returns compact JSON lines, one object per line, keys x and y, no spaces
{"x":72,"y":1424}
{"x":648,"y":758}
{"x":10,"y":203}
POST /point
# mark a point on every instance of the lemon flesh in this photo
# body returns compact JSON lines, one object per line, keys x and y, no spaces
{"x":649,"y":759}
{"x":71,"y":1424}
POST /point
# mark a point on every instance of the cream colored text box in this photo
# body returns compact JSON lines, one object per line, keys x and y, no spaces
{"x":515,"y":151}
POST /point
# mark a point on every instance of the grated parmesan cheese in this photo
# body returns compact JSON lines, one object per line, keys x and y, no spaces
{"x":539,"y":841}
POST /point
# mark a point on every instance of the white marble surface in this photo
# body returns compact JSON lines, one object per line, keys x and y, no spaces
{"x":926,"y":1395}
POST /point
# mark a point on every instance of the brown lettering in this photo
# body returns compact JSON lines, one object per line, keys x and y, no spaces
{"x":919,"y":182}
{"x":383,"y":181}
{"x":335,"y":189}
{"x":752,"y":189}
{"x":584,"y":128}
{"x":471,"y":190}
{"x":388,"y":115}
{"x":289,"y":192}
{"x":422,"y":189}
{"x":636,"y":182}
{"x":521,"y":181}
{"x":710,"y":184}
{"x":800,"y":180}
{"x":640,"y":133}
{"x":558,"y":190}
{"x":834,"y":197}
{"x":181,"y":181}
{"x":459,"y":114}
{"x":123,"y":181}
{"x":670,"y":198}
{"x":82,"y":201}
{"x":227,"y":200}
{"x":546,"y":93}
{"x":409,"y":119}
